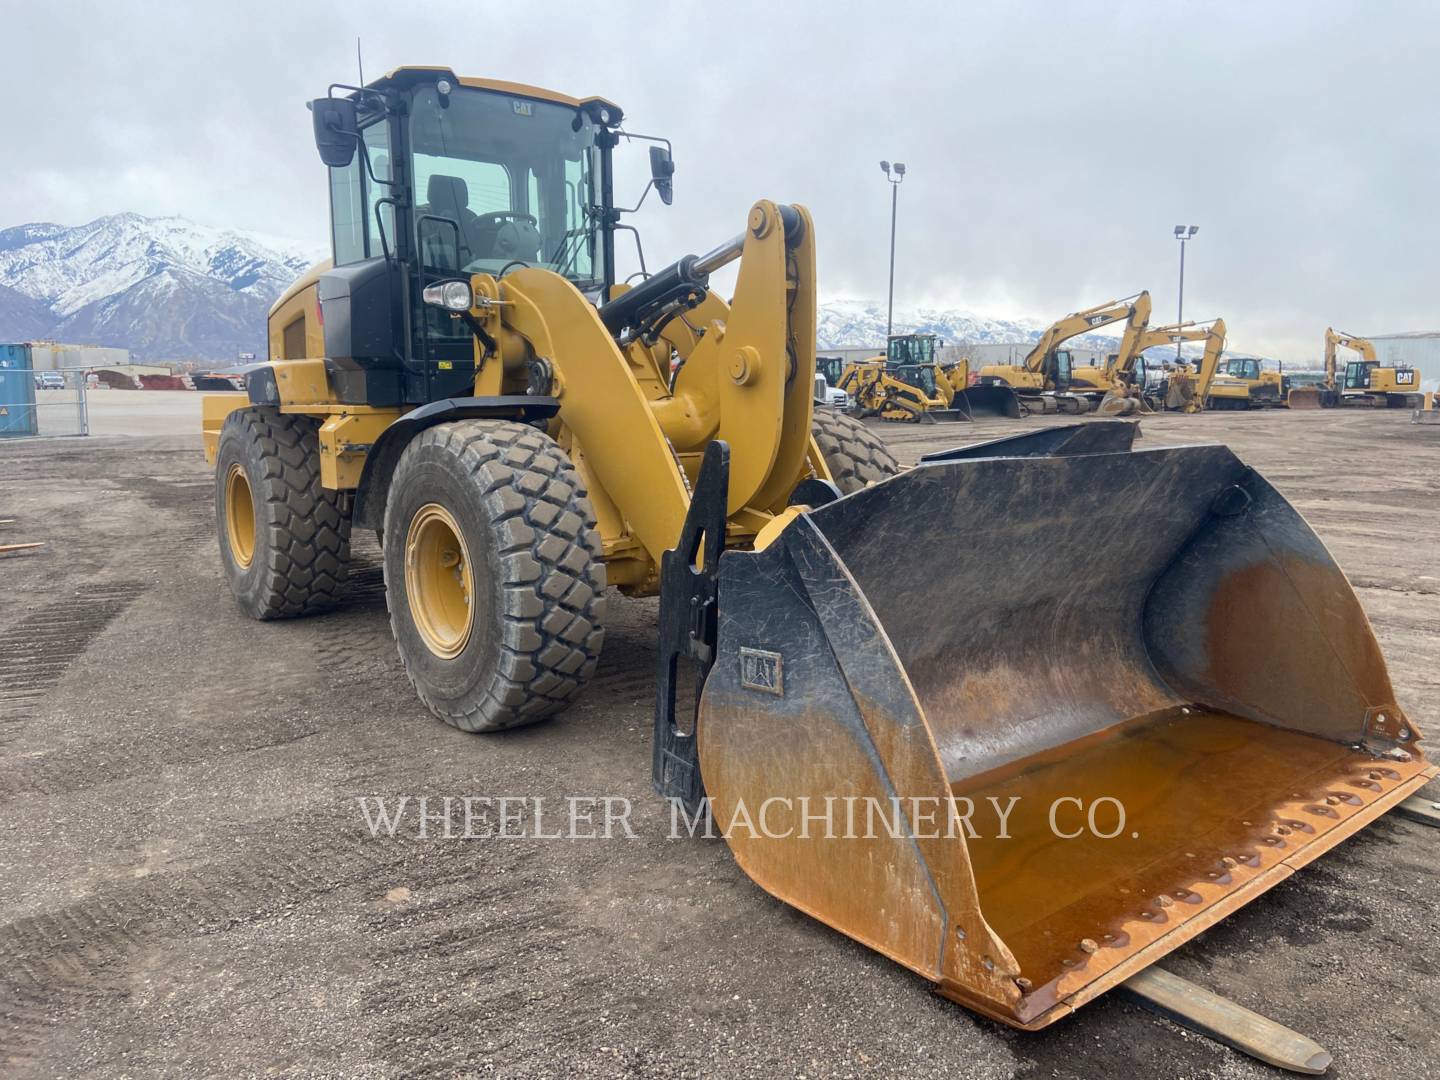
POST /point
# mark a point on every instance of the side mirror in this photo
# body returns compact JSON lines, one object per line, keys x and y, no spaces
{"x":662,"y":172}
{"x":337,"y":130}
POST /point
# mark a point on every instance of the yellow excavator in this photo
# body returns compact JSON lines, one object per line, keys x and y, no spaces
{"x":909,"y":383}
{"x":1094,"y":382}
{"x":1365,"y":382}
{"x":1185,"y":388}
{"x":1047,"y":379}
{"x":466,"y":378}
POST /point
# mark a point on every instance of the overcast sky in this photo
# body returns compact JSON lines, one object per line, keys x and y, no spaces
{"x":1052,"y":147}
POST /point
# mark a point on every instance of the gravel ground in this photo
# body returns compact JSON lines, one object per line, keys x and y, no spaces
{"x":189,"y":887}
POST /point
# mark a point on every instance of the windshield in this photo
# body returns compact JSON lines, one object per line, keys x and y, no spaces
{"x":917,"y":376}
{"x":911,"y":350}
{"x":504,"y":181}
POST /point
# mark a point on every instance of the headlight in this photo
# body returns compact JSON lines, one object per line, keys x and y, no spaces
{"x":450,"y":295}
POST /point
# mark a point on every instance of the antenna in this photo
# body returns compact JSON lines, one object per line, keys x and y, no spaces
{"x":359,"y":62}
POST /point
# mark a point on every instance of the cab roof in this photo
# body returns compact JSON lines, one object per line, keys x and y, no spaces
{"x":418,"y":72}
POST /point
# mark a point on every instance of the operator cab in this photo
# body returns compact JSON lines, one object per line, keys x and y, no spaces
{"x":1058,"y":368}
{"x":921,"y":376}
{"x":1242,"y":367}
{"x":906,"y":350}
{"x":1357,"y":374}
{"x":434,"y":178}
{"x":832,"y":367}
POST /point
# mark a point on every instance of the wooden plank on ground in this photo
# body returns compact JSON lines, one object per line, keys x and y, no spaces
{"x":1418,"y":808}
{"x":1221,"y":1019}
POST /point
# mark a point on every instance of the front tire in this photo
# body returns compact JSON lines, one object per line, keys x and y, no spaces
{"x":854,"y":454}
{"x":284,"y":539}
{"x":493,"y":574}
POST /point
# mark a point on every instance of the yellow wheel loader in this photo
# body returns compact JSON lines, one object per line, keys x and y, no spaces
{"x":467,"y":379}
{"x":909,"y":384}
{"x":908,"y":395}
{"x":1365,"y":382}
{"x":914,"y":360}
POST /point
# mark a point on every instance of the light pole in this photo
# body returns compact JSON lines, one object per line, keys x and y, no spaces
{"x":1182,"y":233}
{"x":896,"y":175}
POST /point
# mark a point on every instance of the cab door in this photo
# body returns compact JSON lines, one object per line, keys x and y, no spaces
{"x":1061,"y":369}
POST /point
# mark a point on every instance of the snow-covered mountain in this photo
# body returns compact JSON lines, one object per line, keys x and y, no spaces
{"x":171,"y":289}
{"x":855,"y":323}
{"x":165,"y":288}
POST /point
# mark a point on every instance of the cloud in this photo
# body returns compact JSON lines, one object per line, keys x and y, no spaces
{"x":1051,"y":147}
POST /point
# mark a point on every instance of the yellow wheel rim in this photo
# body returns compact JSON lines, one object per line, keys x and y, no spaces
{"x":438,"y":581}
{"x":239,"y":516}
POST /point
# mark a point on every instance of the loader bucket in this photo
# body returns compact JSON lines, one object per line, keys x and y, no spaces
{"x":1305,"y":397}
{"x":1133,"y":693}
{"x":944,"y":416}
{"x":988,"y":401}
{"x":912,"y":412}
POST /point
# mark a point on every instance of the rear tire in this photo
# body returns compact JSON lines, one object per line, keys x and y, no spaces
{"x":493,"y":574}
{"x":855,"y":455}
{"x":284,"y":539}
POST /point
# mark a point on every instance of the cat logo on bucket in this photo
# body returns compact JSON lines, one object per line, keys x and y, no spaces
{"x":763,"y":671}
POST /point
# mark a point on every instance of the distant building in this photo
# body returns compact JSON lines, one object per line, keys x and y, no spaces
{"x":53,"y":356}
{"x":1419,"y":349}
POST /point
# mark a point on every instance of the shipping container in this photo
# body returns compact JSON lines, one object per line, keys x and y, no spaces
{"x":17,"y":392}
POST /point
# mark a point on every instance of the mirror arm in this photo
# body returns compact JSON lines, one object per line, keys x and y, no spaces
{"x":669,"y":149}
{"x":639,"y":250}
{"x":631,"y":210}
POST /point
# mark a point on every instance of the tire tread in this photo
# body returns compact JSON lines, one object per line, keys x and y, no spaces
{"x":306,"y":560}
{"x":553,"y":576}
{"x":854,"y":453}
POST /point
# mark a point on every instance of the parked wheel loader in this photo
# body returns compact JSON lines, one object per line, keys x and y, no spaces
{"x":909,"y":384}
{"x":912,"y":394}
{"x":915,"y":359}
{"x":467,"y":379}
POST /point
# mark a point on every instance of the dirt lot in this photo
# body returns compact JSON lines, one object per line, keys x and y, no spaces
{"x":189,"y":888}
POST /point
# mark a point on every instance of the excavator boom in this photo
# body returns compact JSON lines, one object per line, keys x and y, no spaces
{"x":1083,"y":322}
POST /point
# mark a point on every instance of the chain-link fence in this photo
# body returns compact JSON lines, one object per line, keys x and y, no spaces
{"x":39,"y":403}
